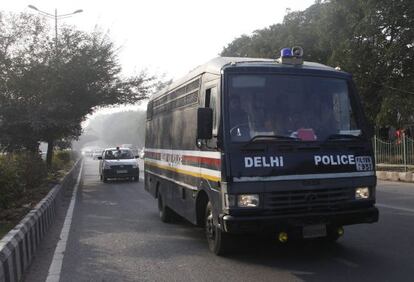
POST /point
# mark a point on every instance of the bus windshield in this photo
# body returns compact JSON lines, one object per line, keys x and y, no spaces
{"x":306,"y":108}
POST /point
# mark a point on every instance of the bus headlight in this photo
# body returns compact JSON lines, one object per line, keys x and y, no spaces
{"x":361,"y":193}
{"x":248,"y":201}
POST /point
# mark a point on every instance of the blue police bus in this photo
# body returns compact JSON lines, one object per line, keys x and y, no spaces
{"x":246,"y":145}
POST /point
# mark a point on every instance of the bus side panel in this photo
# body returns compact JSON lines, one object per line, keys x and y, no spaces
{"x":183,"y":137}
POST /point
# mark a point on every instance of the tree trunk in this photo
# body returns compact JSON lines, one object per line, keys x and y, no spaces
{"x":49,"y":155}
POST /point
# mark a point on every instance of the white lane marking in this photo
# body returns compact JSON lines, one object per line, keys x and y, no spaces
{"x":56,"y":265}
{"x":346,"y":262}
{"x":395,"y":208}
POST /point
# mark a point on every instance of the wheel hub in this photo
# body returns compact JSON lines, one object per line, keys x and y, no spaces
{"x":210,"y":227}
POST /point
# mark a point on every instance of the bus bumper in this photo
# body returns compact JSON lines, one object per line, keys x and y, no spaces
{"x":259,"y":224}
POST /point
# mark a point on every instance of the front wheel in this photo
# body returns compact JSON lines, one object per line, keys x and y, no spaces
{"x":219,"y":242}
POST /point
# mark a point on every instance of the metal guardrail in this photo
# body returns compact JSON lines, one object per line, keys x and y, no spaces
{"x":398,"y":153}
{"x":18,"y":247}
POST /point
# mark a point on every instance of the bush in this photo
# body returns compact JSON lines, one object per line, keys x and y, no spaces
{"x":31,"y":169}
{"x":19,"y":172}
{"x":11,"y":186}
{"x":61,"y":160}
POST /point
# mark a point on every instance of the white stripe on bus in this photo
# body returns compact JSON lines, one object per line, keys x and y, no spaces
{"x":302,"y":176}
{"x":195,"y":169}
{"x":171,"y":179}
{"x":202,"y":154}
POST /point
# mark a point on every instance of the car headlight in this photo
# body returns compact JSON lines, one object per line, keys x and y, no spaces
{"x":248,"y":201}
{"x":135,"y":166}
{"x":361,"y":193}
{"x":106,"y":166}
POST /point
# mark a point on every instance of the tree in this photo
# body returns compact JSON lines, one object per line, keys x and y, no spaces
{"x":54,"y":91}
{"x":372,"y":39}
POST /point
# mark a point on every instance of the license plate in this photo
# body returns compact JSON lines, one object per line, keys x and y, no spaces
{"x":314,"y":231}
{"x":122,"y":171}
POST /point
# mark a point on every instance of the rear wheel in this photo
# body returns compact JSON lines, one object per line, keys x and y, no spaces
{"x":165,"y":212}
{"x":219,"y":242}
{"x":104,"y":179}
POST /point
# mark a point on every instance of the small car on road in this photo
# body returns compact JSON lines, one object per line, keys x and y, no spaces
{"x":118,"y":163}
{"x":96,"y":154}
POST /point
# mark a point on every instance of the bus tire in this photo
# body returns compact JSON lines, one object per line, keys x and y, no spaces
{"x":219,"y":242}
{"x":164,"y":211}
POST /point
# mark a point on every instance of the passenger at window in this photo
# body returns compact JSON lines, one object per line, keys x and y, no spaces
{"x":239,"y":121}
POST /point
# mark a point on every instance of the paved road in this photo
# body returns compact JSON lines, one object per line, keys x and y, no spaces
{"x":116,"y":236}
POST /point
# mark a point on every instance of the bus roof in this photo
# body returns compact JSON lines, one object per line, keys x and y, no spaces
{"x":215,"y":66}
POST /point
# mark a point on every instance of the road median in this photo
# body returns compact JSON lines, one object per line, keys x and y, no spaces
{"x":396,"y":176}
{"x":18,"y":246}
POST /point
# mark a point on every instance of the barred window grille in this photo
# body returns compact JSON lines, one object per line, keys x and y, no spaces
{"x":181,"y":97}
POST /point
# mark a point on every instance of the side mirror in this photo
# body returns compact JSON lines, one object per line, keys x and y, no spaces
{"x":204,"y":123}
{"x":99,"y":158}
{"x":137,"y":157}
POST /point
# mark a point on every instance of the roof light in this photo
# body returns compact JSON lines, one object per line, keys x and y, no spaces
{"x":291,"y":56}
{"x":286,"y":52}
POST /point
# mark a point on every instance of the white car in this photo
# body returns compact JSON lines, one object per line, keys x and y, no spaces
{"x":97,"y":153}
{"x":118,"y":163}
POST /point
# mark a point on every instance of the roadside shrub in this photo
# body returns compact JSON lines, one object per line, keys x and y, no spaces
{"x":11,"y":186}
{"x":31,"y":169}
{"x":61,"y":160}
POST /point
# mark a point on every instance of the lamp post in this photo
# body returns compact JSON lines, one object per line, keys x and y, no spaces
{"x":55,"y":17}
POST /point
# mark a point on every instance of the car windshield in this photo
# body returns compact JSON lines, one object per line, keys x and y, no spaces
{"x":118,"y":154}
{"x":302,"y":107}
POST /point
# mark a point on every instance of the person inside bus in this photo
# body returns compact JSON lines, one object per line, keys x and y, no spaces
{"x":327,"y":123}
{"x":262,"y":121}
{"x":239,"y":121}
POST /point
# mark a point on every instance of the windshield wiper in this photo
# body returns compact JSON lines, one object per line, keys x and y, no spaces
{"x":343,"y":136}
{"x":271,"y":137}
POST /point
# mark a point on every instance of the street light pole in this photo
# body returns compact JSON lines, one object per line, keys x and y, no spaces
{"x":55,"y":17}
{"x":50,"y":144}
{"x":56,"y":32}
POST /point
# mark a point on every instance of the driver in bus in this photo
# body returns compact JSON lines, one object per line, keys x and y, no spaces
{"x":239,"y":121}
{"x":262,"y":121}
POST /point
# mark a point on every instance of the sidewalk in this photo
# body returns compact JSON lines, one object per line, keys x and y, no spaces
{"x":396,"y":176}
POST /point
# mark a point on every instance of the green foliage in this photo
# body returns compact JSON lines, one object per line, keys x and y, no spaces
{"x":62,"y":160}
{"x":10,"y":184}
{"x":46,"y":91}
{"x":30,"y":168}
{"x":373,"y":40}
{"x":18,"y":173}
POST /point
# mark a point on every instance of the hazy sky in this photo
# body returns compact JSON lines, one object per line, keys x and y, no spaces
{"x":167,"y":36}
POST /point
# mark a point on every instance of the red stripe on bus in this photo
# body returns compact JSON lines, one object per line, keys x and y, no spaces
{"x":208,"y":161}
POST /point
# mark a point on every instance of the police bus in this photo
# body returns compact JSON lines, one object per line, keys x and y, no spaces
{"x":244,"y":145}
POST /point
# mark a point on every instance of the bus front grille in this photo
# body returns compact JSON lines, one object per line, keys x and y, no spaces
{"x":303,"y":201}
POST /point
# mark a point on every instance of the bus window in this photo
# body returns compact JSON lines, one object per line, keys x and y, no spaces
{"x":211,"y":102}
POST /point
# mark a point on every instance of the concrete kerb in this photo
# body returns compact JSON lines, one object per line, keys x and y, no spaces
{"x":395,"y":176}
{"x":18,"y":247}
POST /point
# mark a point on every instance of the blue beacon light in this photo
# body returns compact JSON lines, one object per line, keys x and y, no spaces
{"x":286,"y":53}
{"x":291,"y":56}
